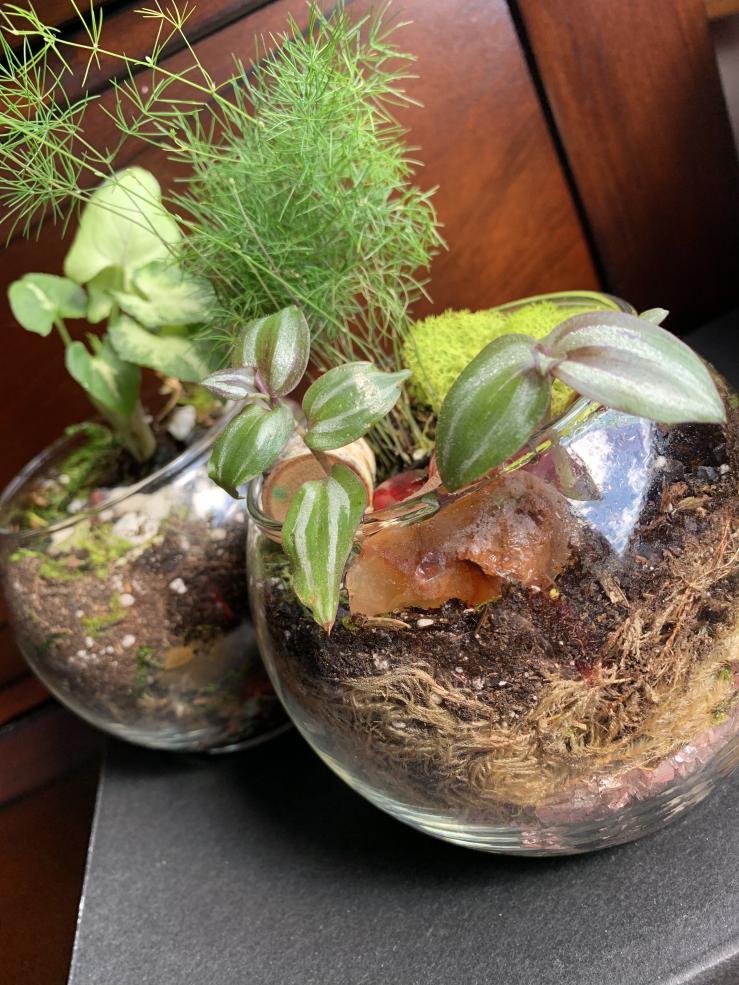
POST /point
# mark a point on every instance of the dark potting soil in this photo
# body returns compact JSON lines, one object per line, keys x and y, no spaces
{"x":508,"y":651}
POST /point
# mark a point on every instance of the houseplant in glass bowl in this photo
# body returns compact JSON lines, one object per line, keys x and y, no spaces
{"x":124,"y":565}
{"x":534,"y":650}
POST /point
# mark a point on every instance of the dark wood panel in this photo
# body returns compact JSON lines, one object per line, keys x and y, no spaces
{"x":40,"y":747}
{"x":716,"y":9}
{"x":637,"y":100}
{"x":44,"y":843}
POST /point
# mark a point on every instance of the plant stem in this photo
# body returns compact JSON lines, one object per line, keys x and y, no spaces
{"x":133,"y":432}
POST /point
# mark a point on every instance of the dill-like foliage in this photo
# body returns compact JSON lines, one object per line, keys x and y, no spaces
{"x":300,"y":181}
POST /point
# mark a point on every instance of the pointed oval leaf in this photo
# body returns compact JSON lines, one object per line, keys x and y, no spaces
{"x":317,"y":537}
{"x":344,"y":403}
{"x":180,"y":356}
{"x":231,"y":384}
{"x":491,"y":410}
{"x":279,"y":347}
{"x":37,"y":300}
{"x":655,"y":315}
{"x":634,"y":366}
{"x":123,"y":225}
{"x":248,"y":445}
{"x":109,"y":380}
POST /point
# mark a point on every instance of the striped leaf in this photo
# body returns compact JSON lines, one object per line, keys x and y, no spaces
{"x":248,"y":445}
{"x":491,"y":410}
{"x":231,"y":384}
{"x":317,"y":537}
{"x":279,"y":347}
{"x":632,"y":365}
{"x":344,"y":403}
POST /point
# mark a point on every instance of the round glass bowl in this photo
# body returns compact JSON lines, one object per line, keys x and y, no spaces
{"x":134,"y":612}
{"x":581,"y":688}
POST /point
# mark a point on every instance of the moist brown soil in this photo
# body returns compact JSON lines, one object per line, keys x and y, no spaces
{"x":563,"y":681}
{"x":154,"y":635}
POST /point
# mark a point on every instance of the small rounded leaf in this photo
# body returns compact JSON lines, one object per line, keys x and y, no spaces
{"x":634,"y":366}
{"x":344,"y":403}
{"x":37,"y":300}
{"x":491,"y":410}
{"x":279,"y":347}
{"x":248,"y":445}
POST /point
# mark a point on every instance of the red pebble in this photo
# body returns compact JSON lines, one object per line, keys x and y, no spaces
{"x":398,"y":488}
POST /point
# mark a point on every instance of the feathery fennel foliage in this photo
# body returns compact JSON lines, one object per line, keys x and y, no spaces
{"x":300,"y":182}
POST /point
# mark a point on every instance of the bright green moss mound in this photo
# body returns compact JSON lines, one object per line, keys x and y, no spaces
{"x":439,"y":347}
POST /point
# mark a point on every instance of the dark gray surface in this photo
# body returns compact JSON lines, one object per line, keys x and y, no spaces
{"x":264,"y":869}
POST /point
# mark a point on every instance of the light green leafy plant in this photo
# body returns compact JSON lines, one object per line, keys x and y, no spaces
{"x":300,"y":186}
{"x":123,"y":266}
{"x":492,"y":410}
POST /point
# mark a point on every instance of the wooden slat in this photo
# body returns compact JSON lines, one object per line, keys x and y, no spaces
{"x":717,"y":9}
{"x":20,"y":697}
{"x":637,"y":100}
{"x":41,"y":747}
{"x":42,"y":859}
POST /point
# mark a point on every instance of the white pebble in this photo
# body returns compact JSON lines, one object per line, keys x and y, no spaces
{"x":218,"y":534}
{"x":126,"y":600}
{"x":724,"y":469}
{"x":422,"y":623}
{"x":181,"y":422}
{"x":502,"y":683}
{"x":128,"y":641}
{"x":110,"y":649}
{"x":63,"y":480}
{"x":89,"y":641}
{"x":178,"y":586}
{"x":82,"y":653}
{"x":106,"y":515}
{"x":76,"y":504}
{"x":380,"y":662}
{"x":80,"y":613}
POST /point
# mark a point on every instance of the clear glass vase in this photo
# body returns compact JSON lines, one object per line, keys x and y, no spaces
{"x":581,"y":690}
{"x":134,"y":612}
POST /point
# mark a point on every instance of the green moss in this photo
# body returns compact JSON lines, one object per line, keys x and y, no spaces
{"x":439,"y":347}
{"x":144,"y":666}
{"x":204,"y":402}
{"x":85,"y":468}
{"x":103,"y":621}
{"x":89,"y":549}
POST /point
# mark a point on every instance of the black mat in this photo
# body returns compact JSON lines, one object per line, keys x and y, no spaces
{"x":264,"y":869}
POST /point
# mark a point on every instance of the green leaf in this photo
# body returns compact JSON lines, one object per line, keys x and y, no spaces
{"x":632,"y":365}
{"x":108,"y":380}
{"x":317,"y":537}
{"x":279,"y":347}
{"x":167,"y":296}
{"x":655,"y":315}
{"x":231,"y":384}
{"x":345,"y":402}
{"x":38,"y":300}
{"x":491,"y":410}
{"x":172,"y":354}
{"x":99,"y":293}
{"x":248,"y":445}
{"x":123,"y":225}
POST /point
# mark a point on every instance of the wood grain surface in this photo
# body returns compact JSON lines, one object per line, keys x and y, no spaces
{"x":637,"y":101}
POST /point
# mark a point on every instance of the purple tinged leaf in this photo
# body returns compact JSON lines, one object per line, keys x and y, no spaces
{"x":248,"y":445}
{"x":317,"y":537}
{"x":231,"y":384}
{"x":344,"y":403}
{"x":630,"y":364}
{"x":279,"y":347}
{"x":491,"y":410}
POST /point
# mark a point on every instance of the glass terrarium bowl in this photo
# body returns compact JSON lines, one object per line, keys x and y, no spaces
{"x":583,"y":693}
{"x":134,"y":612}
